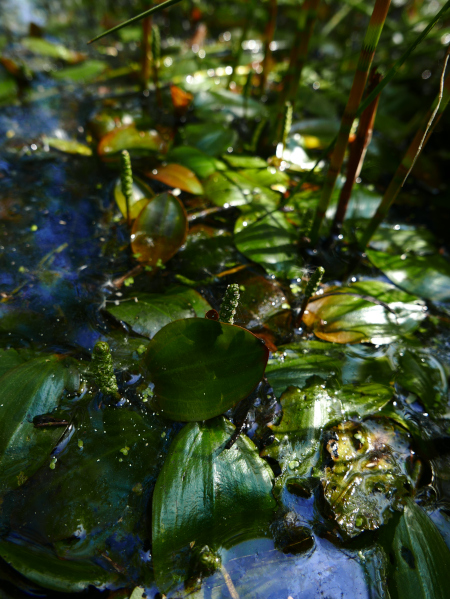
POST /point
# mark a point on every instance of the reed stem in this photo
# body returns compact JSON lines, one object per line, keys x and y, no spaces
{"x":418,"y":143}
{"x":146,"y":52}
{"x":269,"y":33}
{"x":362,"y":70}
{"x":358,"y":151}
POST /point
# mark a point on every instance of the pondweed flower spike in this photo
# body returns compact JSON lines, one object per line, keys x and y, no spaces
{"x":357,"y":153}
{"x":102,"y":369}
{"x":126,"y":177}
{"x":362,"y":70}
{"x":398,"y":179}
{"x":311,"y":288}
{"x":287,"y":123}
{"x":229,"y":304}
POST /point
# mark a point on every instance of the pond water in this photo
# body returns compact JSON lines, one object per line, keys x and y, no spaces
{"x":345,"y":448}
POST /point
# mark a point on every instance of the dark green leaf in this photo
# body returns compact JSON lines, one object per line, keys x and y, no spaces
{"x":88,"y":71}
{"x":207,"y":495}
{"x":147,"y":313}
{"x":43,"y":47}
{"x":43,"y":567}
{"x":29,"y":390}
{"x":210,"y":138}
{"x":201,"y":164}
{"x":201,"y":367}
{"x":419,"y":557}
{"x":365,"y":311}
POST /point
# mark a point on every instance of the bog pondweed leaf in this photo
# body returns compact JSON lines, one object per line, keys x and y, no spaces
{"x":366,"y":311}
{"x":294,"y":364}
{"x":201,"y":368}
{"x":28,"y":390}
{"x":101,"y":484}
{"x":176,"y":175}
{"x":211,"y":138}
{"x":44,"y":568}
{"x":44,"y":47}
{"x":239,"y":188}
{"x":271,"y":241}
{"x":417,"y":556}
{"x":160,"y":230}
{"x":132,"y":139}
{"x":141,"y":194}
{"x":207,"y":495}
{"x":147,"y":313}
{"x":307,"y":413}
{"x":68,"y":146}
{"x":82,"y":73}
{"x":197,"y":161}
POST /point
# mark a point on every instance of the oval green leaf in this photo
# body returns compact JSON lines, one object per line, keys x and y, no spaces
{"x":130,"y":138}
{"x":176,"y":175}
{"x":207,"y":495}
{"x":68,"y":146}
{"x":201,"y":367}
{"x":160,"y":230}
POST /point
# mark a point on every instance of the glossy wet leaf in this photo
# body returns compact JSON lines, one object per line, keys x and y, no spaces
{"x":147,"y":313}
{"x":141,"y":194}
{"x":28,"y":390}
{"x":396,"y":240}
{"x":367,"y":311}
{"x":68,"y":146}
{"x":425,"y":276}
{"x":237,"y":188}
{"x":160,"y":230}
{"x":422,"y":374}
{"x":369,"y":476}
{"x":130,"y":138}
{"x":307,"y":413}
{"x":43,"y":567}
{"x":176,"y":175}
{"x":207,"y":495}
{"x":294,"y":364}
{"x":101,"y":482}
{"x":201,"y":367}
{"x":271,"y":241}
{"x":211,"y":138}
{"x":418,"y":556}
{"x":195,"y":160}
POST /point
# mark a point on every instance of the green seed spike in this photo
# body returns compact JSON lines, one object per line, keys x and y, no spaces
{"x":362,"y":70}
{"x":229,"y":304}
{"x":287,"y":122}
{"x":126,"y":176}
{"x":102,"y":369}
{"x":156,"y":44}
{"x":311,"y":288}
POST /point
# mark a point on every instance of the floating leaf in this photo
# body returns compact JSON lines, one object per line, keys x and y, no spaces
{"x":365,"y":311}
{"x":180,"y":98}
{"x":29,"y":390}
{"x":195,"y":160}
{"x":306,"y":413}
{"x":44,"y":47}
{"x":176,"y":175}
{"x":234,"y":188}
{"x":240,"y":161}
{"x":141,"y":194}
{"x":207,"y":495}
{"x":43,"y":567}
{"x":426,"y":276}
{"x":68,"y":146}
{"x":419,"y":557}
{"x":422,"y":374}
{"x":201,"y":367}
{"x":369,"y":476}
{"x":270,"y":241}
{"x":101,"y":483}
{"x":294,"y":364}
{"x":211,"y":138}
{"x":150,"y":312}
{"x":160,"y":230}
{"x":130,"y":138}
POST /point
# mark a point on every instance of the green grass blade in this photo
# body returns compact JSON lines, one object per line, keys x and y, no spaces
{"x":147,"y":13}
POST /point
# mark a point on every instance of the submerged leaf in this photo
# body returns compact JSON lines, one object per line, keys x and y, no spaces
{"x":207,"y":495}
{"x":160,"y":230}
{"x":369,"y":476}
{"x":150,"y":312}
{"x":367,"y":311}
{"x":201,"y":367}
